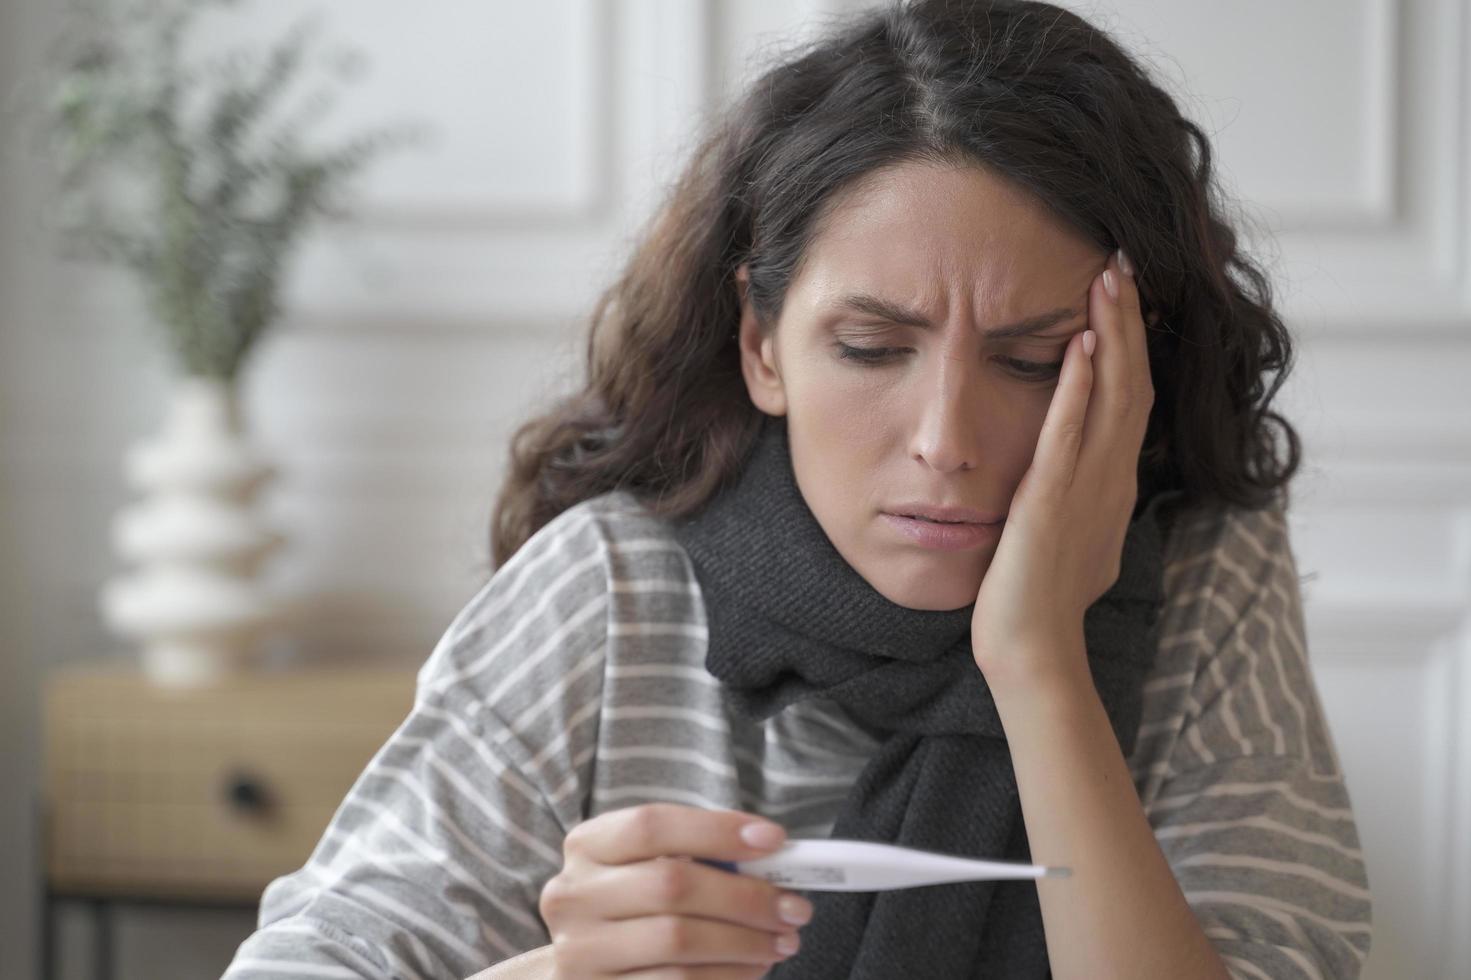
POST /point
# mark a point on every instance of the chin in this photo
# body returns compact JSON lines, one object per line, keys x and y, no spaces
{"x":916,"y":596}
{"x":921,"y":582}
{"x":933,"y":605}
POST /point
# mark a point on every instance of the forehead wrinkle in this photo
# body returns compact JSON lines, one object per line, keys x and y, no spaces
{"x":901,"y":241}
{"x":849,"y":268}
{"x":1015,"y":291}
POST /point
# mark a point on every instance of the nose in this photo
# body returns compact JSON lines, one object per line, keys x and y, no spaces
{"x":947,"y":435}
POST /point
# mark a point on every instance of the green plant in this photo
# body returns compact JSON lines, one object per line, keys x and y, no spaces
{"x":173,"y":168}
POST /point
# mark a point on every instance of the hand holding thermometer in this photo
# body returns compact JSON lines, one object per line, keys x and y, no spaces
{"x":866,"y":866}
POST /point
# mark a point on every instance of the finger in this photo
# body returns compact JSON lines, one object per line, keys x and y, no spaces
{"x":1119,"y":413}
{"x":1058,"y":446}
{"x":1112,"y":358}
{"x":664,"y":886}
{"x":1132,"y":394}
{"x":1135,"y":333}
{"x":652,"y":830}
{"x":661,"y":940}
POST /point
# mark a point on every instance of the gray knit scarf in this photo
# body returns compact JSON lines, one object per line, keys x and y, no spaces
{"x":790,"y":619}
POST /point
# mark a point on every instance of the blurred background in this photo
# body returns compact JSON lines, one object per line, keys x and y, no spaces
{"x":413,"y":336}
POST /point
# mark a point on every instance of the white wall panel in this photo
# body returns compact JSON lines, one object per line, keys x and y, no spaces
{"x":1384,"y":755}
{"x":1342,"y":126}
{"x":1328,"y":107}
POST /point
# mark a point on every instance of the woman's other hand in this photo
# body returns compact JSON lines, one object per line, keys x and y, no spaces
{"x":1062,"y":544}
{"x":629,"y":902}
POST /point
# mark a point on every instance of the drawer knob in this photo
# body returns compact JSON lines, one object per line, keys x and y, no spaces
{"x":246,"y":793}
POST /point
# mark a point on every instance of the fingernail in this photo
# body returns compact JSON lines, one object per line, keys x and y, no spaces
{"x":794,"y":910}
{"x":1111,"y":284}
{"x":762,"y":834}
{"x":1090,"y":341}
{"x":1125,"y":266}
{"x":786,"y":944}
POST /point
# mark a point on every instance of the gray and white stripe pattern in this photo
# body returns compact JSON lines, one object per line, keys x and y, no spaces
{"x":573,"y":683}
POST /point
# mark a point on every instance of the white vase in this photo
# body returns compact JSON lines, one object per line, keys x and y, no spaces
{"x":194,"y":602}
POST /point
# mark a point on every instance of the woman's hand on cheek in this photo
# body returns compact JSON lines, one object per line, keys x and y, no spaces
{"x":1064,"y":536}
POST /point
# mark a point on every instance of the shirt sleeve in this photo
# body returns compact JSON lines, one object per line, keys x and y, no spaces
{"x":434,"y":863}
{"x":1254,"y":815}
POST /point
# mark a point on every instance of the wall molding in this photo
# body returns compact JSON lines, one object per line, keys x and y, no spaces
{"x":1369,"y":627}
{"x":1377,"y":206}
{"x":585,"y":201}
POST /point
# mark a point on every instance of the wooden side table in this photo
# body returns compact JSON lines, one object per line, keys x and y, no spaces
{"x":196,"y":797}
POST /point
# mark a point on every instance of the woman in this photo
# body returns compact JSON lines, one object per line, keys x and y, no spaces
{"x":924,"y":489}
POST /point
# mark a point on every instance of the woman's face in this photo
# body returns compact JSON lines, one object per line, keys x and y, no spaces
{"x":897,"y":391}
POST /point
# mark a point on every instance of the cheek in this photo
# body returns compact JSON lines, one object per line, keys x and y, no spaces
{"x":1017,"y":442}
{"x":837,"y":402}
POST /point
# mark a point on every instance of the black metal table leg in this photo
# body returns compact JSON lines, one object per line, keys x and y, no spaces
{"x":102,"y":939}
{"x":47,"y":952}
{"x":104,"y":911}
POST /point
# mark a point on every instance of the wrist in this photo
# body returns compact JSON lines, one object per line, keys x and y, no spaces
{"x":1034,"y":717}
{"x":1044,"y":669}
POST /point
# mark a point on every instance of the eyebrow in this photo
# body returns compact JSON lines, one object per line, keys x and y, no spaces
{"x":885,"y":310}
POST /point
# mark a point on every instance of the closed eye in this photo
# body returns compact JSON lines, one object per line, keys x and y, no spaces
{"x":869,"y":355}
{"x":1031,"y":370}
{"x":1041,"y":370}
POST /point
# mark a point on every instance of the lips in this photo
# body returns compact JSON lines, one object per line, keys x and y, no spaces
{"x":945,"y":514}
{"x":942,"y":536}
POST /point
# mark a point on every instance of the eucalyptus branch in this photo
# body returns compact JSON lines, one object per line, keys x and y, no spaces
{"x":203,"y":207}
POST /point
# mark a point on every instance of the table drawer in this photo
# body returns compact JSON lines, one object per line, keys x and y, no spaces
{"x":207,"y":793}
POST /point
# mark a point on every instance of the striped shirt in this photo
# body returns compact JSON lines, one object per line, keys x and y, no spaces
{"x":573,"y":683}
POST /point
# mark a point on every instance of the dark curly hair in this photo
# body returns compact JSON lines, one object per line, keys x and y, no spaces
{"x":1033,"y":93}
